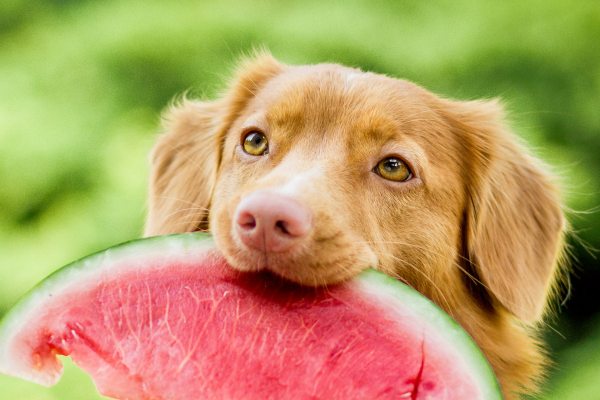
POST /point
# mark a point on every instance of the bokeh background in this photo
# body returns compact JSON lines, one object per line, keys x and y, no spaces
{"x":82,"y":85}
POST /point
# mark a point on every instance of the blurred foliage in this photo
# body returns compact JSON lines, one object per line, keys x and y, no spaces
{"x":82,"y":84}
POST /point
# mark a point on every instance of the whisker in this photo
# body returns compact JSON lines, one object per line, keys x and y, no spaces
{"x":456,"y":264}
{"x":434,"y":285}
{"x":182,"y":211}
{"x":180,"y":200}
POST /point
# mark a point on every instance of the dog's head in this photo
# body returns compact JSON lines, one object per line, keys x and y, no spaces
{"x":315,"y":172}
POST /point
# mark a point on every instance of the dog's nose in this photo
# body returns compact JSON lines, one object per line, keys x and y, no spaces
{"x":272,"y":222}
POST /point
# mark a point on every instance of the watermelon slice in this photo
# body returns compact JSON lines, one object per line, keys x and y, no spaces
{"x":166,"y":318}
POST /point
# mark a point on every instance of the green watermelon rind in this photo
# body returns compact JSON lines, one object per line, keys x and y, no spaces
{"x":370,"y":280}
{"x":92,"y":260}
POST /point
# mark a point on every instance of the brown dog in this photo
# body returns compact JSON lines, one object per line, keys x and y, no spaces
{"x":315,"y":172}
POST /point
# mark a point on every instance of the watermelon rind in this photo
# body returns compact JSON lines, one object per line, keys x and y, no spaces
{"x":187,"y":246}
{"x":390,"y":290}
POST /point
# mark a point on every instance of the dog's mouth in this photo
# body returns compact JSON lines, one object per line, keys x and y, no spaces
{"x":301,"y":270}
{"x":315,"y":263}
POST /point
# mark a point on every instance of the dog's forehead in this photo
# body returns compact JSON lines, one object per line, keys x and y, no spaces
{"x":333,"y":95}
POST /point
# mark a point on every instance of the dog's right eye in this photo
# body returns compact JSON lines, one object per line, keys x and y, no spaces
{"x":255,"y":143}
{"x":393,"y":169}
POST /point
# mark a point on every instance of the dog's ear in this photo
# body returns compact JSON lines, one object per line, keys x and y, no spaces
{"x":184,"y":161}
{"x":186,"y":158}
{"x":513,"y":222}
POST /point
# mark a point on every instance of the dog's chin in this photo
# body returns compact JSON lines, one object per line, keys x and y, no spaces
{"x":297,"y":270}
{"x":304,"y":268}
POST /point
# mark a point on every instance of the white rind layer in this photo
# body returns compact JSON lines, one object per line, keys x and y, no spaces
{"x":162,"y":251}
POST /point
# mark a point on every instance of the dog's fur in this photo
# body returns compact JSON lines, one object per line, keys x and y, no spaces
{"x":479,"y":229}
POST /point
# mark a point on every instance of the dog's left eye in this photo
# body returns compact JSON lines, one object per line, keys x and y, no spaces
{"x":255,"y":143}
{"x":393,"y":169}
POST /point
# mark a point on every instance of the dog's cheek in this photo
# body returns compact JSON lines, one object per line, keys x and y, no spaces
{"x":405,"y":233}
{"x":221,"y":229}
{"x":217,"y":221}
{"x":221,"y":214}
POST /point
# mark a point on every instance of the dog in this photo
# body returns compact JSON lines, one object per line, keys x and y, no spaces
{"x":314,"y":172}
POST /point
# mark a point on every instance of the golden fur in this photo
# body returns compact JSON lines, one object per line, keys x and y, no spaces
{"x":478,"y":230}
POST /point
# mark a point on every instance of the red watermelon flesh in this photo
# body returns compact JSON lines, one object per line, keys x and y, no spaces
{"x":167,"y":318}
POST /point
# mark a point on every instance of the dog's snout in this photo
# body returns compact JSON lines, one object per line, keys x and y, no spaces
{"x":271,"y":222}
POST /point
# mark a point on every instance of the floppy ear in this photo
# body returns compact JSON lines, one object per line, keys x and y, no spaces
{"x":513,"y":220}
{"x":186,"y":158}
{"x":184,"y":161}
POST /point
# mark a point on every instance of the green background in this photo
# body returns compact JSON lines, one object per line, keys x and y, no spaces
{"x":82,"y":85}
